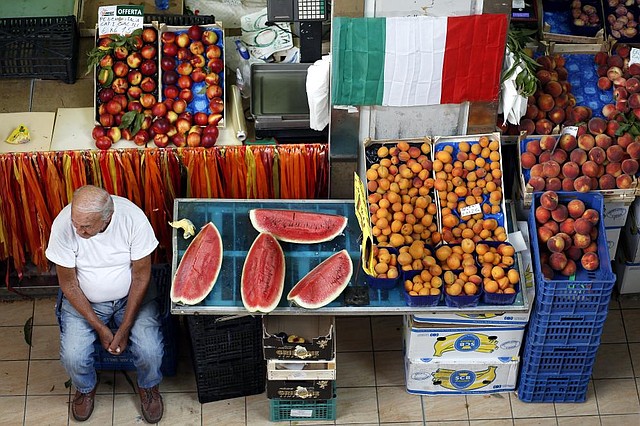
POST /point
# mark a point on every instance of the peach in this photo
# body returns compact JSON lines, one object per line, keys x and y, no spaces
{"x":570,"y":269}
{"x":567,"y":239}
{"x":613,"y":169}
{"x":553,"y":184}
{"x":560,"y":213}
{"x":553,"y":226}
{"x":532,"y":112}
{"x":612,"y":127}
{"x":597,"y":155}
{"x":602,"y":70}
{"x":609,"y":111}
{"x":555,"y":244}
{"x":567,"y":184}
{"x":544,"y":234}
{"x":624,"y":181}
{"x":537,"y":183}
{"x":633,"y":149}
{"x":614,"y":73}
{"x":581,"y":240}
{"x":542,"y":215}
{"x":597,"y":125}
{"x":563,"y":74}
{"x":634,"y":100}
{"x":550,"y":169}
{"x":634,"y":69}
{"x":632,"y":85}
{"x":547,"y":62}
{"x":544,"y":157}
{"x":536,"y":170}
{"x":594,"y":233}
{"x":528,"y":160}
{"x":578,"y":156}
{"x":586,"y":141}
{"x":592,"y":216}
{"x":567,"y":226}
{"x":544,"y":127}
{"x":604,"y":83}
{"x":630,"y":166}
{"x":562,"y":101}
{"x":557,"y":261}
{"x":615,"y":154}
{"x":567,"y":142}
{"x":581,"y":114}
{"x":590,"y":168}
{"x":590,"y":261}
{"x":603,"y":140}
{"x":582,"y":184}
{"x":544,"y":76}
{"x":615,"y":61}
{"x":547,"y":272}
{"x":620,"y":94}
{"x":553,"y":88}
{"x":549,"y":200}
{"x":607,"y":181}
{"x":527,"y":125}
{"x":547,"y":143}
{"x":593,"y":247}
{"x":601,"y":58}
{"x":571,"y":170}
{"x":582,"y":226}
{"x":622,"y":50}
{"x":573,"y":252}
{"x":556,"y":115}
{"x":594,"y":181}
{"x":559,"y":156}
{"x":545,"y":102}
{"x":622,"y":105}
{"x":533,"y":146}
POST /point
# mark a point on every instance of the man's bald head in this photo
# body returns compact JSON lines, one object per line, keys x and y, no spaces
{"x":91,"y":199}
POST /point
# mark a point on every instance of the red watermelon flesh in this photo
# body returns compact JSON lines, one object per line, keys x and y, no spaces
{"x":295,"y":226}
{"x":262,"y":280}
{"x":324,"y":283}
{"x":199,"y":268}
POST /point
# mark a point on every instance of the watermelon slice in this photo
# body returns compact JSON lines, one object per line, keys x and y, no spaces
{"x":199,"y":268}
{"x":296,"y":226}
{"x":324,"y":283}
{"x":262,"y":280}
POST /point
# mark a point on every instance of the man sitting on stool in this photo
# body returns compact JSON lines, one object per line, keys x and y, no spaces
{"x":102,"y":245}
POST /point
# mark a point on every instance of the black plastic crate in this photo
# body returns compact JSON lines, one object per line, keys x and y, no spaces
{"x":42,"y":47}
{"x":180,"y":20}
{"x":215,"y":339}
{"x":229,"y":379}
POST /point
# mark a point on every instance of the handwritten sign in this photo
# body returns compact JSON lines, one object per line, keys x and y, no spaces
{"x":122,"y":19}
{"x":470,"y":210}
{"x":634,"y":56}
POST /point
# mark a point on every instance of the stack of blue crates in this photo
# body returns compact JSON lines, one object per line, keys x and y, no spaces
{"x":565,"y":326}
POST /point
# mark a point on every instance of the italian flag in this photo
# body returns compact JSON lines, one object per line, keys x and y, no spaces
{"x":405,"y":61}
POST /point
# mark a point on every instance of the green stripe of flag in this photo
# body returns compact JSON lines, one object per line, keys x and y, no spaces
{"x":358,"y":53}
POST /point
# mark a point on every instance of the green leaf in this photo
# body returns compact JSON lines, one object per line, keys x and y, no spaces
{"x":28,"y":330}
{"x":127,"y":119}
{"x":137,"y":124}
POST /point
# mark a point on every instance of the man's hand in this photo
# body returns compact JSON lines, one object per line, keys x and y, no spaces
{"x":119,"y":342}
{"x":106,"y":336}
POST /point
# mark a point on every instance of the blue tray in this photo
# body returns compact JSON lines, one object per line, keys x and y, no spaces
{"x":567,"y":330}
{"x":552,"y":388}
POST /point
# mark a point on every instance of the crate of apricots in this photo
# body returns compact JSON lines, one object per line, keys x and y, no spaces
{"x":469,"y":189}
{"x":400,"y":192}
{"x":460,"y":274}
{"x":500,"y":278}
{"x":421,"y":274}
{"x":385,"y":268}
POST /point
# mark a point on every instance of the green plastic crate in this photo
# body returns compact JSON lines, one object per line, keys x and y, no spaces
{"x":284,"y":410}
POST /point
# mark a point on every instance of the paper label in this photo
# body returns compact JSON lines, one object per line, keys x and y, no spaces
{"x":634,"y":56}
{"x":296,"y":412}
{"x":362,"y":214}
{"x":122,"y":19}
{"x":571,"y":130}
{"x":470,"y":210}
{"x":518,"y":4}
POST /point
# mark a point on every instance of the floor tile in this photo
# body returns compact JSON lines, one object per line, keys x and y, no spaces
{"x":386,"y":332}
{"x":357,"y":405}
{"x":45,"y":312}
{"x":183,"y":381}
{"x":589,"y":407}
{"x":102,"y":412}
{"x":106,"y":382}
{"x":621,"y":420}
{"x":231,"y":412}
{"x":613,"y":330}
{"x":612,"y":361}
{"x":126,"y":410}
{"x":617,"y":396}
{"x":12,"y":409}
{"x":45,"y":342}
{"x":634,"y":348}
{"x":396,"y":405}
{"x":355,"y":369}
{"x":14,"y":95}
{"x":258,"y":410}
{"x":489,"y":406}
{"x":15,"y":312}
{"x":55,"y":413}
{"x":449,"y":423}
{"x":14,"y":377}
{"x":492,"y":422}
{"x":542,"y":421}
{"x":579,"y":421}
{"x":445,"y":407}
{"x":47,"y":377}
{"x":389,"y":368}
{"x":525,"y":409}
{"x":631,"y":321}
{"x":353,"y":334}
{"x":629,"y":301}
{"x":127,"y":382}
{"x":49,"y":95}
{"x":14,"y":347}
{"x":181,"y":408}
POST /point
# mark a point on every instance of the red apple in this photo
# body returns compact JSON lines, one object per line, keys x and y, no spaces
{"x":170,"y":49}
{"x":126,"y":134}
{"x":213,"y":52}
{"x":172,"y":116}
{"x":148,"y":84}
{"x":171,"y":92}
{"x":193,"y":139}
{"x":134,"y":77}
{"x":208,"y":140}
{"x":102,"y":109}
{"x":120,"y":69}
{"x":195,"y":32}
{"x":149,"y":67}
{"x":184,"y":54}
{"x":198,"y":61}
{"x":122,"y":99}
{"x":216,"y":65}
{"x":184,"y":68}
{"x":216,"y":105}
{"x":198,"y":75}
{"x":159,"y":109}
{"x":183,"y":125}
{"x":170,"y":78}
{"x":120,"y":52}
{"x":209,"y":37}
{"x":160,"y":125}
{"x":168,"y":37}
{"x":197,"y":48}
{"x":106,"y":61}
{"x":180,"y":105}
{"x":134,"y":92}
{"x":196,"y":129}
{"x":211,"y":79}
{"x":134,"y":105}
{"x":200,"y":118}
{"x":182,"y":40}
{"x":106,"y":94}
{"x":179,"y":139}
{"x":149,"y":35}
{"x":167,"y":63}
{"x":136,"y":42}
{"x":117,"y":119}
{"x":148,"y":52}
{"x":172,"y":131}
{"x":114,"y":107}
{"x":161,"y":140}
{"x":97,"y":132}
{"x":103,"y":142}
{"x":147,"y":100}
{"x":120,"y":85}
{"x":146,"y":122}
{"x":186,"y":94}
{"x":141,"y":137}
{"x":213,"y":120}
{"x":214,"y":91}
{"x":187,"y":115}
{"x":114,"y":134}
{"x":184,"y":82}
{"x":134,"y":60}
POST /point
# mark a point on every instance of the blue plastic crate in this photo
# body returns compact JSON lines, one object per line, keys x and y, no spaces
{"x":284,"y":410}
{"x":571,"y":298}
{"x":552,"y":388}
{"x":565,"y":329}
{"x":559,"y":360}
{"x":584,"y":282}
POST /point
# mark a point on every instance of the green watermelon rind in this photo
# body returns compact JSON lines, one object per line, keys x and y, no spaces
{"x":272,"y":257}
{"x":325,"y":269}
{"x":211,"y":264}
{"x":333,"y":225}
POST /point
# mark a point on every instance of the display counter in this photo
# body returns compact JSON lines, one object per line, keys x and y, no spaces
{"x":231,"y":217}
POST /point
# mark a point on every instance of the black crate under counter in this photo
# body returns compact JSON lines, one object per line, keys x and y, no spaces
{"x":231,"y":217}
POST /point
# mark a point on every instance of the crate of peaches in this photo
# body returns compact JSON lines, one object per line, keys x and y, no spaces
{"x":400,"y":191}
{"x":469,"y":189}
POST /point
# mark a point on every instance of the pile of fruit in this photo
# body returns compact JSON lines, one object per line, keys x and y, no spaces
{"x":567,"y":235}
{"x":621,"y":19}
{"x":585,"y":15}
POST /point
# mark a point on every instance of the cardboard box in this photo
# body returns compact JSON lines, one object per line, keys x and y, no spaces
{"x":448,"y":341}
{"x":301,"y":370}
{"x":627,"y":275}
{"x":300,"y":389}
{"x":318,"y":332}
{"x":460,"y":377}
{"x":616,"y":212}
{"x":613,"y":236}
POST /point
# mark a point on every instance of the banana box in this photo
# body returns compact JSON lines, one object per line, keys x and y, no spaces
{"x":435,"y":377}
{"x":440,"y":341}
{"x":299,"y":337}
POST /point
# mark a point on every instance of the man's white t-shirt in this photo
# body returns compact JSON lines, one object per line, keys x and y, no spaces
{"x":103,"y":262}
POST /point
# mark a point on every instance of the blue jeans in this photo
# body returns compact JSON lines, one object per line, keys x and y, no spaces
{"x":77,"y":338}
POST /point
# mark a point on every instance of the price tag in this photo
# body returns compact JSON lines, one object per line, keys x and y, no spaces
{"x":571,"y":130}
{"x":470,"y":210}
{"x":634,"y":56}
{"x":122,"y":19}
{"x":362,"y":214}
{"x":298,"y":412}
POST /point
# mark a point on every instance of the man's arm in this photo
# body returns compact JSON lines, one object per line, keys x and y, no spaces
{"x":69,"y":285}
{"x":140,"y":276}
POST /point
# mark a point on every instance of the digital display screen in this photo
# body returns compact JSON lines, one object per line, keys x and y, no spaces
{"x":279,"y":90}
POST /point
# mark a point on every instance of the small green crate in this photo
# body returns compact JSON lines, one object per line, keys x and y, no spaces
{"x":284,"y":410}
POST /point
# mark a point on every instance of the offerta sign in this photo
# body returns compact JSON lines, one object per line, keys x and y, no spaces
{"x":120,"y":19}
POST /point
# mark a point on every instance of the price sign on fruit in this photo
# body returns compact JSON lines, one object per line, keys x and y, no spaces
{"x":634,"y":56}
{"x":122,"y":19}
{"x":362,"y":213}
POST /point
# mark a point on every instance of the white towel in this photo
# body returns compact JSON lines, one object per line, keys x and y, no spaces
{"x":318,"y":76}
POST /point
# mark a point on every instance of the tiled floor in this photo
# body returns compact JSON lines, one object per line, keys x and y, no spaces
{"x":370,"y":382}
